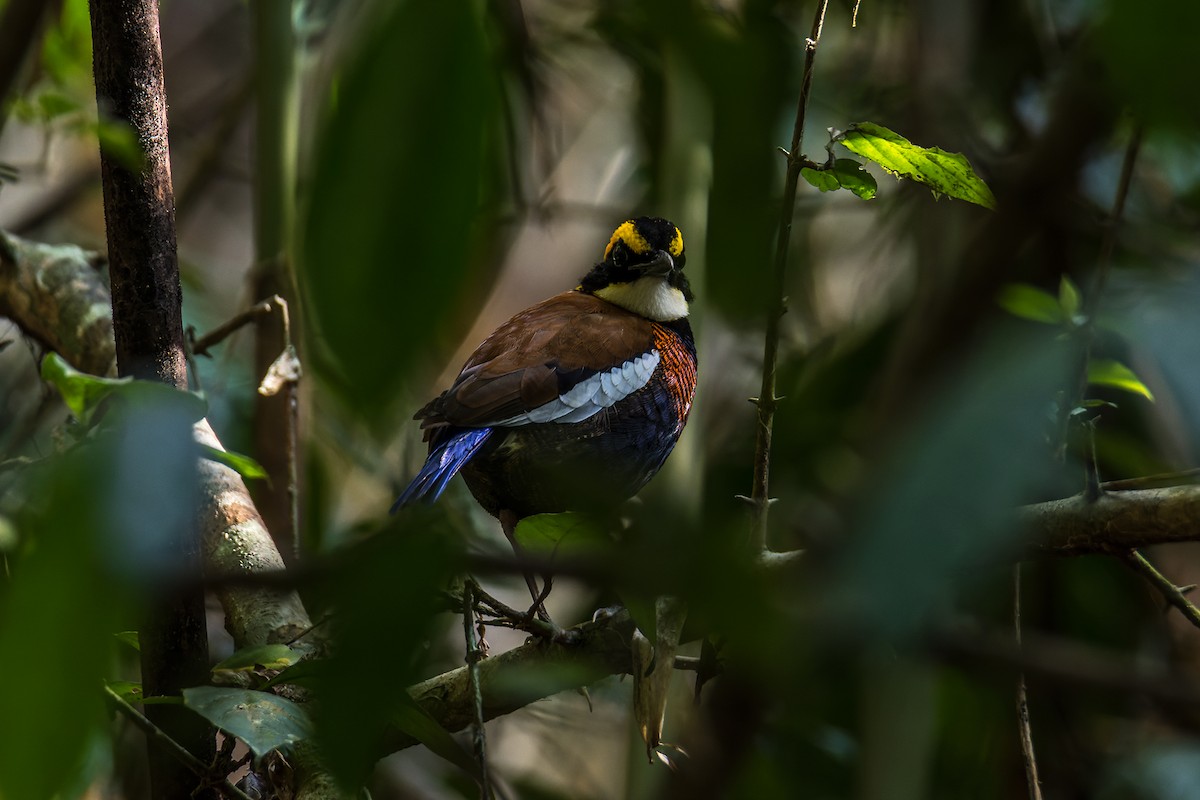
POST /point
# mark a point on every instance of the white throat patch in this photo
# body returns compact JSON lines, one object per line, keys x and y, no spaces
{"x":651,"y":297}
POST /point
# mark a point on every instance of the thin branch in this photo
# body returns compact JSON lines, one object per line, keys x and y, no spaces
{"x":219,"y":334}
{"x":1091,"y":300}
{"x":1170,"y":592}
{"x":1163,"y":479}
{"x":1023,"y":726}
{"x":159,"y":738}
{"x":767,"y":401}
{"x":473,"y":656}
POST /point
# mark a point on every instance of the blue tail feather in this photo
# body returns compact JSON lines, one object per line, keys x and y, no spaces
{"x":443,"y":464}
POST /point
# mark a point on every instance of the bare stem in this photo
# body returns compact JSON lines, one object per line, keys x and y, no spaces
{"x":1170,"y":592}
{"x":1026,"y":731}
{"x":159,"y":737}
{"x":474,"y":655}
{"x":767,"y":400}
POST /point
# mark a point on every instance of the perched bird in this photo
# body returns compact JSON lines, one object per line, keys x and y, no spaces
{"x":574,"y":403}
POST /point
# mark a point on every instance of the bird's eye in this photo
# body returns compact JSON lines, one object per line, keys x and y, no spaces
{"x":620,"y":254}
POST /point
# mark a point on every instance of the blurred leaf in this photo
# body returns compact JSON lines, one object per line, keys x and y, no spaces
{"x":1114,"y":374}
{"x":1068,"y":297}
{"x":267,"y":656}
{"x":1032,"y":303}
{"x":945,"y":173}
{"x":397,"y":189}
{"x":67,"y":48}
{"x":948,"y":495}
{"x":118,"y":140}
{"x":565,"y":534}
{"x":417,"y":723}
{"x":54,"y":104}
{"x":386,"y":599}
{"x":1147,"y":46}
{"x":243,"y":465}
{"x":58,"y":609}
{"x":262,"y":720}
{"x":9,"y":538}
{"x":845,"y":174}
{"x":129,"y":638}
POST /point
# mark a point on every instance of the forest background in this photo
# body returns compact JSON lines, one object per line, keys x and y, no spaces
{"x":961,"y":388}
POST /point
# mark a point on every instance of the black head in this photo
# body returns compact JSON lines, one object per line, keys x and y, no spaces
{"x":639,"y":248}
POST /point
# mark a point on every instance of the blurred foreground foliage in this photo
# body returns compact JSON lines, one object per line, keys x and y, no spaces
{"x":443,"y":131}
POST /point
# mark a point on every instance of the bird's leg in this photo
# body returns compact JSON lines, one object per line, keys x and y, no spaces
{"x":508,"y":522}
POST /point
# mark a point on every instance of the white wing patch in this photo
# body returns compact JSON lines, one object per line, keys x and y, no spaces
{"x":592,"y":395}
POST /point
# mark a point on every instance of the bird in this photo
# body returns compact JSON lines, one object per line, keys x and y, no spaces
{"x":576,"y":402}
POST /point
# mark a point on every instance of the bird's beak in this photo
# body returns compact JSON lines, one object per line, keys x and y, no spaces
{"x":661,"y":265}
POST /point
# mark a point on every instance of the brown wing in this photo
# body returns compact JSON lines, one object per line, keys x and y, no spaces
{"x":536,"y":356}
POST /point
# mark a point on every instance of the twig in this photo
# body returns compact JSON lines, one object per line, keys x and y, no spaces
{"x":214,"y":337}
{"x":1023,"y":726}
{"x":1162,"y":479}
{"x":1170,"y":592}
{"x":473,"y":657}
{"x":506,"y":616}
{"x":1091,"y":300}
{"x":159,"y":737}
{"x":767,"y":400}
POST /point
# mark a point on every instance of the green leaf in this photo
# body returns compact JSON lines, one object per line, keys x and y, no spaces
{"x":399,"y":202}
{"x":1114,"y":374}
{"x":80,"y":391}
{"x":129,"y":638}
{"x":84,"y":393}
{"x":419,"y":724}
{"x":243,"y":465}
{"x":267,"y":656}
{"x":1030,"y":302}
{"x":945,"y":173}
{"x":1068,"y":298}
{"x":569,"y":533}
{"x":129,"y":691}
{"x":846,"y":173}
{"x":262,"y":720}
{"x":823,"y":179}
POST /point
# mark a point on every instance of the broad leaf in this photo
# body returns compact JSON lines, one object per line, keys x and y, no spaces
{"x":1030,"y":302}
{"x":1114,"y":374}
{"x":84,"y":393}
{"x":262,"y":720}
{"x":564,"y":534}
{"x":243,"y":465}
{"x":417,"y":723}
{"x":945,"y":173}
{"x":846,"y":173}
{"x":267,"y":656}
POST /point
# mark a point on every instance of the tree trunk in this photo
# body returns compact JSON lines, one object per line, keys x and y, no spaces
{"x":139,"y":217}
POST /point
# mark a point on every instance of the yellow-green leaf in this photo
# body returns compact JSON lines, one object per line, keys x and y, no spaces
{"x":945,"y":173}
{"x":1106,"y":372}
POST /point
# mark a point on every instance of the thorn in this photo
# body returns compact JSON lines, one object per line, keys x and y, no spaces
{"x":785,"y":152}
{"x":753,"y":400}
{"x":1187,"y":589}
{"x":744,"y":499}
{"x":780,"y":397}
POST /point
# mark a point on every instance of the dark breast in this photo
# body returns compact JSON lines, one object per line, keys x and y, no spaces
{"x":597,"y":463}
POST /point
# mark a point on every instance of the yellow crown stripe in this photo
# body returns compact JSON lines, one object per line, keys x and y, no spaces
{"x":628,"y":233}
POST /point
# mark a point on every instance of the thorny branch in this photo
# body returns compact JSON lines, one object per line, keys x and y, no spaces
{"x":1170,"y":592}
{"x":767,"y":401}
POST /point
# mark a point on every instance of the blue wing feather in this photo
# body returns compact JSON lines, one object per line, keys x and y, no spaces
{"x":447,"y":458}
